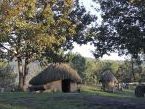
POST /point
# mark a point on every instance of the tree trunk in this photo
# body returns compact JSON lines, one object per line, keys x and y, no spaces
{"x":132,"y":69}
{"x":25,"y":73}
{"x":20,"y":70}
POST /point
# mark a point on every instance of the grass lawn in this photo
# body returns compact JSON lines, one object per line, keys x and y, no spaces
{"x":84,"y":100}
{"x":99,"y":92}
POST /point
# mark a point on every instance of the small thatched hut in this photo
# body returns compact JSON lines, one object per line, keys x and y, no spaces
{"x":56,"y":77}
{"x":109,"y":81}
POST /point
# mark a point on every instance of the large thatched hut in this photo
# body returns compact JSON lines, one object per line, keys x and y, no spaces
{"x":109,"y":81}
{"x":56,"y":77}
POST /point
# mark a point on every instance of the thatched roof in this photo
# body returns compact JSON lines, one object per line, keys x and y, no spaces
{"x":107,"y":76}
{"x":56,"y":72}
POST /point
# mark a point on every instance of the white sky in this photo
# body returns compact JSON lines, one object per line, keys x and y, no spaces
{"x":85,"y":50}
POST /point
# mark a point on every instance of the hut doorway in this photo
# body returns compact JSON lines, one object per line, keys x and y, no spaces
{"x":66,"y":85}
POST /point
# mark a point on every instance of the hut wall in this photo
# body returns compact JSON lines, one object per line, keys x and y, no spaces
{"x":54,"y":86}
{"x":111,"y":86}
{"x":73,"y":87}
{"x":57,"y":86}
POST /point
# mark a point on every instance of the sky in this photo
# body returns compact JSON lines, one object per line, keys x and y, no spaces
{"x":85,"y":50}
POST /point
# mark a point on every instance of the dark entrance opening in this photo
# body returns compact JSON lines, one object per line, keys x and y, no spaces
{"x":66,"y":85}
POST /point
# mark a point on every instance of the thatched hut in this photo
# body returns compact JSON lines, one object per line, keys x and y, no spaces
{"x":109,"y":81}
{"x":56,"y":77}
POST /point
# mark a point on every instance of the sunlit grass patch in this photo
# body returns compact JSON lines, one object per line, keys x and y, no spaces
{"x":97,"y":91}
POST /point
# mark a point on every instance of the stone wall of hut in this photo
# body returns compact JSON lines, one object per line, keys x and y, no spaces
{"x":56,"y":86}
{"x":73,"y":87}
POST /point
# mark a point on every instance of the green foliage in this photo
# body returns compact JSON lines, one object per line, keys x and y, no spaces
{"x":124,"y":73}
{"x":31,"y":34}
{"x":122,"y":28}
{"x":34,"y":27}
{"x":78,"y":63}
{"x":138,"y":2}
{"x":90,"y":69}
{"x":94,"y":70}
{"x":85,"y":67}
{"x":89,"y":74}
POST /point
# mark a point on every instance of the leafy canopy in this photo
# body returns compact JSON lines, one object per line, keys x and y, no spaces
{"x":28,"y":28}
{"x":122,"y":29}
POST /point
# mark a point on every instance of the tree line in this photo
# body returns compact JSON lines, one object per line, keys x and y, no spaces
{"x":90,"y":70}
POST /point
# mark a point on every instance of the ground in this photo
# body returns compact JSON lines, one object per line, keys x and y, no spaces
{"x":89,"y":98}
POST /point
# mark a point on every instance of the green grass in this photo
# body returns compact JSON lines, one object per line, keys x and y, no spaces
{"x":21,"y":100}
{"x":99,"y":92}
{"x":39,"y":101}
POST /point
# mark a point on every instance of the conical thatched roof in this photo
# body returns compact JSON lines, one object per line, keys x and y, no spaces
{"x":56,"y":72}
{"x":107,"y":76}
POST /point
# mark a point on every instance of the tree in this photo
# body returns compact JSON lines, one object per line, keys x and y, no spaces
{"x":91,"y":71}
{"x":130,"y":70}
{"x":122,"y":28}
{"x":29,"y":31}
{"x":137,"y":2}
{"x":78,"y":63}
{"x":33,"y":29}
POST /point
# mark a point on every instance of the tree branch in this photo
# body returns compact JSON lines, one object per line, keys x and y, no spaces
{"x":2,"y":46}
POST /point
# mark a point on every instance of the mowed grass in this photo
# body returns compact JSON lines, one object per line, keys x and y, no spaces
{"x":27,"y":100}
{"x":126,"y":93}
{"x":40,"y":101}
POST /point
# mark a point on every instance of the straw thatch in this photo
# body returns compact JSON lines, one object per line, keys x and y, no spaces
{"x":56,"y":72}
{"x":109,"y":81}
{"x":108,"y":76}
